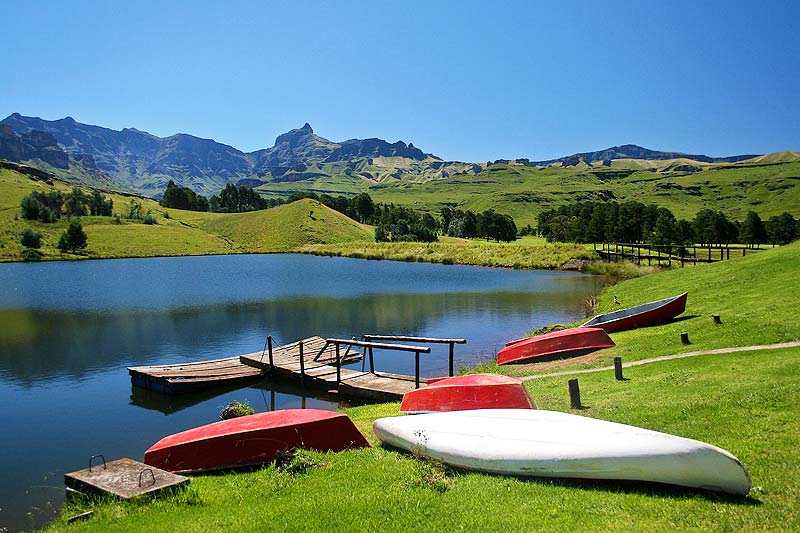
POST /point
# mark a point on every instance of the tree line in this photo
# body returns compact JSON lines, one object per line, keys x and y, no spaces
{"x":49,"y":206}
{"x":634,"y":222}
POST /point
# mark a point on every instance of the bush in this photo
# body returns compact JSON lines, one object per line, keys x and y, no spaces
{"x":29,"y":255}
{"x":149,"y":219}
{"x":31,"y":239}
{"x":73,"y":238}
{"x":235,"y":410}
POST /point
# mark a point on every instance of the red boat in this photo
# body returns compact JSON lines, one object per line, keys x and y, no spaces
{"x":462,"y":393}
{"x":643,"y":315}
{"x":253,"y":440}
{"x":571,"y":342}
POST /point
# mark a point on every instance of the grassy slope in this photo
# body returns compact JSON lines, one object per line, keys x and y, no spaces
{"x":756,"y":297}
{"x":286,"y":227}
{"x":718,"y":399}
{"x":523,"y":192}
{"x":183,"y":233}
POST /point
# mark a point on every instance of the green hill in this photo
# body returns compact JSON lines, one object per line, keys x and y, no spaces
{"x":177,"y":232}
{"x":287,"y":227}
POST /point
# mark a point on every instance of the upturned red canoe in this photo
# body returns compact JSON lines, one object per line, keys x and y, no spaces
{"x":253,"y":440}
{"x":558,"y":343}
{"x":462,"y":393}
{"x":648,"y":314}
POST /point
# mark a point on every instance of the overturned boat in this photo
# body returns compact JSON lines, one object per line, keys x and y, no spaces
{"x":473,"y":391}
{"x":648,"y":314}
{"x":566,"y":342}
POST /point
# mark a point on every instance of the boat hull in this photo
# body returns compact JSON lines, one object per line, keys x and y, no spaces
{"x":252,"y":440}
{"x":550,"y":444}
{"x":556,"y":344}
{"x":473,"y":391}
{"x":649,"y":314}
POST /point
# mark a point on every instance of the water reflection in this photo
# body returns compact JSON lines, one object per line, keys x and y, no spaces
{"x":42,"y":344}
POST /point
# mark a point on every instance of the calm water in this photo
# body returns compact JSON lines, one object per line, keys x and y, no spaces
{"x":68,"y":331}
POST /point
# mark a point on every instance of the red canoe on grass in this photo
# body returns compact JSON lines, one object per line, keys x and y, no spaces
{"x":254,"y":440}
{"x":462,"y":393}
{"x":643,"y":315}
{"x":572,"y":341}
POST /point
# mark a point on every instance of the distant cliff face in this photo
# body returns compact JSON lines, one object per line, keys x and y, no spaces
{"x":632,"y":151}
{"x":145,"y":163}
{"x":34,"y":144}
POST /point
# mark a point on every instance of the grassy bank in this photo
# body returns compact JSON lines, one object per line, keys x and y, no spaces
{"x":529,"y":252}
{"x":755,"y":296}
{"x":751,"y":410}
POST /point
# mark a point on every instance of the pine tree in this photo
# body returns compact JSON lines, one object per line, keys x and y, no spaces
{"x":73,"y":237}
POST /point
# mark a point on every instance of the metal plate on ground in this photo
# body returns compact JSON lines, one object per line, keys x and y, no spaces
{"x":123,"y":478}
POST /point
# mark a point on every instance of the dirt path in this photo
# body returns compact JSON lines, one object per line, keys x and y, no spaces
{"x":779,"y":345}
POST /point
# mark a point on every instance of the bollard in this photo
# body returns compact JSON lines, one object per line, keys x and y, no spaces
{"x":618,"y":369}
{"x":717,"y":320}
{"x":685,"y":338}
{"x":574,"y":394}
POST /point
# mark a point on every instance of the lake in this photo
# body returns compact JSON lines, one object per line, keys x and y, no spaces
{"x":69,"y":330}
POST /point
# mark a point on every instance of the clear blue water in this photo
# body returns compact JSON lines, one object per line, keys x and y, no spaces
{"x":69,"y":330}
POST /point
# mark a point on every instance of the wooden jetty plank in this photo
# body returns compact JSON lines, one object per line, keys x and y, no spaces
{"x":123,"y":478}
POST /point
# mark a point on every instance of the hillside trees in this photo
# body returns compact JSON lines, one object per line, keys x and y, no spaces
{"x":753,"y":231}
{"x":73,"y":237}
{"x":183,"y":198}
{"x":781,"y":229}
{"x":233,"y":199}
{"x":637,"y":223}
{"x":42,"y":206}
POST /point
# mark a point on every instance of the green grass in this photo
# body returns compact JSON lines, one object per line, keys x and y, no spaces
{"x":718,"y":399}
{"x":528,"y":252}
{"x":182,"y":233}
{"x":768,"y":187}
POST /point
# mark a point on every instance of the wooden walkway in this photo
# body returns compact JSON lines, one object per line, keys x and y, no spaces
{"x":318,"y":368}
{"x":190,"y":377}
{"x":194,"y":376}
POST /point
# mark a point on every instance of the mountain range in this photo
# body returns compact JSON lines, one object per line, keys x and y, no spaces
{"x":134,"y":160}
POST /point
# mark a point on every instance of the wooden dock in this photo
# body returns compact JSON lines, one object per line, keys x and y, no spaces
{"x":323,"y":372}
{"x":191,"y":377}
{"x":194,"y":376}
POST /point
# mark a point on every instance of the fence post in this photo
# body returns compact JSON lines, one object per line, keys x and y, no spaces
{"x":574,"y":394}
{"x":371,"y":361}
{"x":618,"y":369}
{"x":685,"y":338}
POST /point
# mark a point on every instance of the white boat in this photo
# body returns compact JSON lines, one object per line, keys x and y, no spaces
{"x":551,"y":444}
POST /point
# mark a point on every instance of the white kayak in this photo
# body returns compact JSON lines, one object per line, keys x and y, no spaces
{"x":551,"y":444}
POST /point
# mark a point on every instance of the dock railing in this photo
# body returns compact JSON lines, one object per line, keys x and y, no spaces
{"x":424,"y":340}
{"x":380,"y":345}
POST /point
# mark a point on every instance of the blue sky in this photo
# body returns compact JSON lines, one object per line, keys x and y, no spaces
{"x":465,"y":80}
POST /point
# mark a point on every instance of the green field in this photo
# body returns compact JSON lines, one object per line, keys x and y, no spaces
{"x":178,"y":232}
{"x":745,"y":402}
{"x":767,"y":187}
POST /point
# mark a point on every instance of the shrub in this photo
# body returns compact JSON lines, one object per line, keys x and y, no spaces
{"x":29,"y":255}
{"x":235,"y":410}
{"x":73,"y":237}
{"x":149,"y":219}
{"x":31,"y":239}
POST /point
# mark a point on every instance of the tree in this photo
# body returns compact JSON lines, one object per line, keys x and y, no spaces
{"x":73,"y":237}
{"x":781,"y":229}
{"x":663,"y":231}
{"x":75,"y":203}
{"x":364,"y":207}
{"x":45,"y":207}
{"x":31,"y":238}
{"x":753,"y":231}
{"x":135,"y":210}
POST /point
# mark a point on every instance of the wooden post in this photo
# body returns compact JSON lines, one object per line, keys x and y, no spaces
{"x":416,"y":370}
{"x":371,"y":361}
{"x":338,"y":366}
{"x":618,"y":369}
{"x":709,"y":253}
{"x":269,"y":347}
{"x":574,"y":394}
{"x":685,"y":338}
{"x":728,"y":252}
{"x":452,"y":347}
{"x":744,"y":251}
{"x":717,"y":320}
{"x":303,"y":362}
